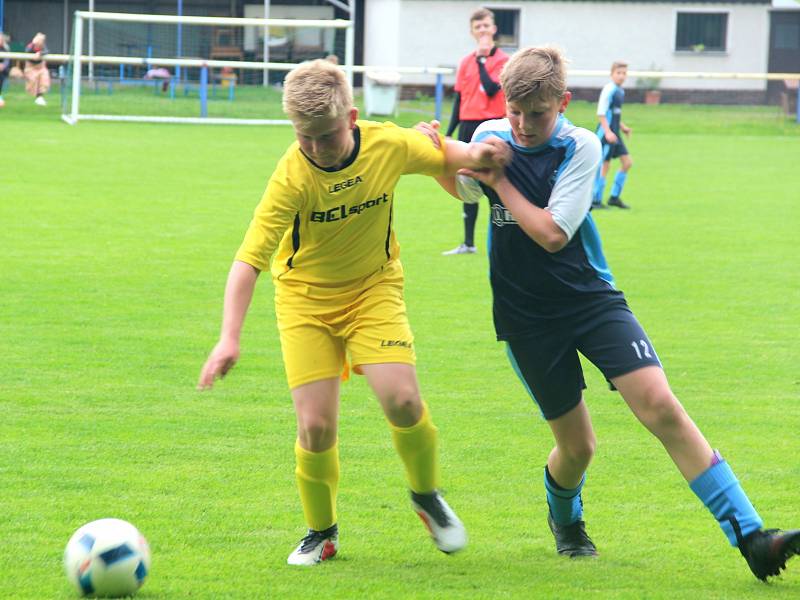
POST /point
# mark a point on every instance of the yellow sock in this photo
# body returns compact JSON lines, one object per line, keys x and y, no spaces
{"x":418,"y":448}
{"x":318,"y":481}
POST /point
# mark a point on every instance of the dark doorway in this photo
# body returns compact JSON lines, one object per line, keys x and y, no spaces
{"x":784,"y":49}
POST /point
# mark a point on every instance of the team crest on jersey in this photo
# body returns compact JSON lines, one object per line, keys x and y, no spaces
{"x":502,"y":216}
{"x":343,"y":185}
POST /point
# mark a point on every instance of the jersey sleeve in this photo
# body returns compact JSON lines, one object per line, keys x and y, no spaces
{"x":571,"y":197}
{"x":604,"y":102}
{"x":459,"y":86}
{"x":421,"y":155}
{"x":279,"y":205}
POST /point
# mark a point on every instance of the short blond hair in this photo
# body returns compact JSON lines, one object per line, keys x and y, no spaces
{"x":481,"y":14}
{"x":618,"y":64}
{"x":317,"y":88}
{"x":535,"y":73}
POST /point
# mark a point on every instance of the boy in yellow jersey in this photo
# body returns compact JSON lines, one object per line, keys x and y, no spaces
{"x":339,"y":292}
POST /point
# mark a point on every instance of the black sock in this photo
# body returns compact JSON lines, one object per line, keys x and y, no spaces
{"x":470,"y":216}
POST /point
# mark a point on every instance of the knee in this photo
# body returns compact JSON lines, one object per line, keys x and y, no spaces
{"x":316,"y":432}
{"x":662,"y":412}
{"x":581,"y":452}
{"x":403,"y":406}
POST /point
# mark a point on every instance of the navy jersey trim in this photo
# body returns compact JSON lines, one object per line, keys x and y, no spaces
{"x":295,"y":240}
{"x":389,"y":232}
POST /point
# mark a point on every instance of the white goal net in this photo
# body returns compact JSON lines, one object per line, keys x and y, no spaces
{"x":180,"y":69}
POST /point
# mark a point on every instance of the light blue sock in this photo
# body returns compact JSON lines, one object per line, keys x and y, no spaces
{"x":724,"y":497}
{"x":565,"y":505}
{"x":619,"y":183}
{"x":599,"y":187}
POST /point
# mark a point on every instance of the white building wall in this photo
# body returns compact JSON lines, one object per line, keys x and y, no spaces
{"x":592,"y":34}
{"x":384,"y":38}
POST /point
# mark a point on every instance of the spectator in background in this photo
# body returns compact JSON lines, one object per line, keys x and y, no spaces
{"x":478,"y":99}
{"x":5,"y":64}
{"x":160,"y":73}
{"x":37,"y":77}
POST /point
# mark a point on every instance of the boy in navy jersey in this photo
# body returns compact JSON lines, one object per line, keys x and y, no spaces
{"x":554,"y":296}
{"x":610,"y":130}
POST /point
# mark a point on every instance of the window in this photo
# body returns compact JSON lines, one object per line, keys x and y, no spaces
{"x":702,"y":32}
{"x":507,"y":21}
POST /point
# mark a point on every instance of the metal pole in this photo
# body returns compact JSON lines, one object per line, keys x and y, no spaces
{"x":91,"y":41}
{"x":204,"y":91}
{"x":65,"y":45}
{"x":439,"y":96}
{"x":77,"y":50}
{"x":265,"y":83}
{"x":349,"y":44}
{"x":180,"y":40}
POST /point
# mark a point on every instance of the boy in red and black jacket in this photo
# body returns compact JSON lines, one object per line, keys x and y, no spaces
{"x":478,"y":98}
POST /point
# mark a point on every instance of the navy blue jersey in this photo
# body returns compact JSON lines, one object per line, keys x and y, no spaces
{"x":610,"y":106}
{"x":534,"y":288}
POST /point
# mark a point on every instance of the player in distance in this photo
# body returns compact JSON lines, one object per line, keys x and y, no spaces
{"x":554,"y":296}
{"x":328,"y":209}
{"x":609,"y":131}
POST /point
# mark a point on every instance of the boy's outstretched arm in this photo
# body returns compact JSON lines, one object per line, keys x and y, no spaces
{"x":238,"y":293}
{"x":459,"y":155}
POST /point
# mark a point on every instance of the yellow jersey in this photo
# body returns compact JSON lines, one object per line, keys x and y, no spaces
{"x":334,"y":227}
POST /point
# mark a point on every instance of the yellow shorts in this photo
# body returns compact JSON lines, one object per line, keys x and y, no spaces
{"x":321,"y":325}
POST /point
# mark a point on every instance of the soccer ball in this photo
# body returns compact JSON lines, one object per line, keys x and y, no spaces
{"x":107,"y":558}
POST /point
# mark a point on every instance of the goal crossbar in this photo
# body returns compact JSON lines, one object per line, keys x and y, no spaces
{"x":189,"y":20}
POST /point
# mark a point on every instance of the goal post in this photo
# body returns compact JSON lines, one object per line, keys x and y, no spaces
{"x":191,"y":69}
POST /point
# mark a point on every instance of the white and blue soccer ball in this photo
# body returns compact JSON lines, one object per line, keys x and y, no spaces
{"x":107,"y":558}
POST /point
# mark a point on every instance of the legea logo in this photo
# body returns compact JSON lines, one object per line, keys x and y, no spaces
{"x":343,"y":185}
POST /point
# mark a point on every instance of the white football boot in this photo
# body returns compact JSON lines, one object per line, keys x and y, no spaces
{"x":40,"y":101}
{"x":445,"y":527}
{"x":461,"y":249}
{"x":315,"y":547}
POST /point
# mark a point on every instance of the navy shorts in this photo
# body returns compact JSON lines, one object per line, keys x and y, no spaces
{"x":548,"y":365}
{"x":613,"y":150}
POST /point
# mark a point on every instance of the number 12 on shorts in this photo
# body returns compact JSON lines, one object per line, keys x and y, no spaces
{"x":644,"y":351}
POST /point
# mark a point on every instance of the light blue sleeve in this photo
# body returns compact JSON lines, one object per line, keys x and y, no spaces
{"x":604,"y":103}
{"x":571,"y":197}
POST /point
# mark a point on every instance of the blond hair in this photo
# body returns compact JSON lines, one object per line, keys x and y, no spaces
{"x":536,"y":73}
{"x":618,"y":64}
{"x":317,"y":88}
{"x":481,"y":14}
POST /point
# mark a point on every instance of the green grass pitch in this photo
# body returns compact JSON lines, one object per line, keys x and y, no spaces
{"x":116,"y":240}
